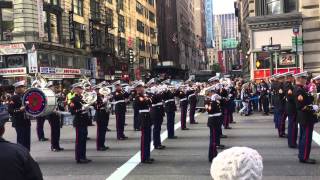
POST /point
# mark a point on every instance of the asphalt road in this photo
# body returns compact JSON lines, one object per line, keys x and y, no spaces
{"x":184,"y":158}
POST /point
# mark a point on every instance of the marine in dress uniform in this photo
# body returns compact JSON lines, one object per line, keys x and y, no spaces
{"x":80,"y":122}
{"x":226,"y":108}
{"x":275,"y":99}
{"x":291,"y":112}
{"x":214,"y":117}
{"x":170,"y":109}
{"x":119,"y":98}
{"x":143,"y":103}
{"x":102,"y":119}
{"x":15,"y":161}
{"x":20,"y":121}
{"x":281,"y":106}
{"x":192,"y":99}
{"x":157,"y":113}
{"x":40,"y":132}
{"x":136,"y":122}
{"x":54,"y":121}
{"x":183,"y":107}
{"x":305,"y":117}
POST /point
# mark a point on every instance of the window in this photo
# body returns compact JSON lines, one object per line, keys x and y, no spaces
{"x":51,"y":27}
{"x":109,"y":17}
{"x":120,"y":4}
{"x":152,"y":33}
{"x":95,"y":9}
{"x":53,"y":2}
{"x":142,"y":45}
{"x":151,"y":2}
{"x":78,"y":7}
{"x":121,"y":23}
{"x":154,"y":49}
{"x":147,"y":30}
{"x":6,"y":24}
{"x":97,"y":38}
{"x":80,"y":34}
{"x":152,"y":16}
{"x":139,"y":8}
{"x":122,"y":46}
{"x":140,"y":26}
{"x":110,"y":41}
{"x":290,"y":6}
{"x":273,"y":6}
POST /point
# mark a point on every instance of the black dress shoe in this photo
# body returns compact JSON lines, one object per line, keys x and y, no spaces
{"x":125,"y":124}
{"x":283,"y":136}
{"x":55,"y":150}
{"x":308,"y":161}
{"x":102,"y":148}
{"x":233,"y":122}
{"x":185,"y":129}
{"x":148,"y":161}
{"x":88,"y":138}
{"x":43,"y":139}
{"x":137,"y":129}
{"x":160,"y":147}
{"x":223,"y":136}
{"x":220,"y":146}
{"x":60,"y":149}
{"x":123,"y":138}
{"x":151,"y":159}
{"x":108,"y":130}
{"x":83,"y":161}
{"x":173,"y":137}
{"x":293,"y":147}
{"x":228,"y":128}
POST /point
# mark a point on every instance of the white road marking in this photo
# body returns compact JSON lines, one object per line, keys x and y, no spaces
{"x":134,"y":161}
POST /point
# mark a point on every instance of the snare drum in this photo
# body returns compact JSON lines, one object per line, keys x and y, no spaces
{"x":39,"y":102}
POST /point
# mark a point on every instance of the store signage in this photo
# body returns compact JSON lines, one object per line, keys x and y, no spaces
{"x":13,"y":71}
{"x":85,"y":72}
{"x":52,"y":70}
{"x":276,"y":47}
{"x":47,"y":70}
{"x":9,"y":49}
{"x":71,"y":71}
{"x":59,"y":70}
{"x":287,"y":59}
{"x":40,"y":18}
{"x":58,"y":76}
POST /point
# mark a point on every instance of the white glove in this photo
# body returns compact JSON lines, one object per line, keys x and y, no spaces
{"x":230,"y":95}
{"x":315,"y":107}
{"x":84,"y":108}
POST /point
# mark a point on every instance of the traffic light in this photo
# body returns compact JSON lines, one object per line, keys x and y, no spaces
{"x":258,"y":64}
{"x":131,"y":56}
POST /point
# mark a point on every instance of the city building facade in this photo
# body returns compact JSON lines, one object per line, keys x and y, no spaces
{"x":65,"y":39}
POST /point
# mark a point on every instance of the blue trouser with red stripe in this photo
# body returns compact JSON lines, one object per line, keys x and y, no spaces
{"x":184,"y":110}
{"x":145,"y":142}
{"x":40,"y":124}
{"x":81,"y":142}
{"x":24,"y":136}
{"x":282,"y":123}
{"x":170,"y":123}
{"x":305,"y":140}
{"x":213,"y":143}
{"x":120,"y":121}
{"x":192,"y":112}
{"x":292,"y":130}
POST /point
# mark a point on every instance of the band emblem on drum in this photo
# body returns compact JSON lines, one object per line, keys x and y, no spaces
{"x":35,"y":102}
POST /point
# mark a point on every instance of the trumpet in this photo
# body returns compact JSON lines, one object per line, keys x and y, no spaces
{"x":88,"y":96}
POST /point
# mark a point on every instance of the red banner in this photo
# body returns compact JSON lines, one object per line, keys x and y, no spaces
{"x":220,"y":60}
{"x":265,"y":73}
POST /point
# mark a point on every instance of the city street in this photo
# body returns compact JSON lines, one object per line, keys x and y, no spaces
{"x":184,"y":158}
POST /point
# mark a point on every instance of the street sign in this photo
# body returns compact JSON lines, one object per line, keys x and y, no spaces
{"x":295,"y":30}
{"x":276,"y":47}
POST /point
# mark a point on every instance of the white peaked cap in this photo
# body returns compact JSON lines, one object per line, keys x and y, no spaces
{"x":237,"y":163}
{"x":19,"y":83}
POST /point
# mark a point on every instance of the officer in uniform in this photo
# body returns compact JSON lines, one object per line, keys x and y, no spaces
{"x":136,"y":122}
{"x":170,"y":109}
{"x":40,"y":132}
{"x":305,"y":117}
{"x":281,"y":106}
{"x":183,"y":107}
{"x":264,"y":96}
{"x":290,"y":111}
{"x":275,"y":99}
{"x":214,"y":117}
{"x":15,"y":161}
{"x":119,"y":98}
{"x":192,"y":98}
{"x":226,"y":107}
{"x":143,"y":103}
{"x":20,"y":121}
{"x":80,"y":122}
{"x":102,"y":119}
{"x":54,"y":121}
{"x":157,"y":113}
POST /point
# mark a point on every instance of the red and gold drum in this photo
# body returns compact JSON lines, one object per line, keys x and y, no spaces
{"x":39,"y":102}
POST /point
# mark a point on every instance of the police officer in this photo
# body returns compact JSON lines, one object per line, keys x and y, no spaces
{"x":54,"y":121}
{"x":80,"y":122}
{"x":290,"y":111}
{"x":264,"y":96}
{"x":170,"y":109}
{"x":305,"y":117}
{"x":192,"y":99}
{"x":181,"y":94}
{"x":214,"y":117}
{"x":20,"y":121}
{"x":15,"y":161}
{"x":157,"y":113}
{"x":143,"y":103}
{"x":119,"y":98}
{"x":40,"y":132}
{"x":102,"y":119}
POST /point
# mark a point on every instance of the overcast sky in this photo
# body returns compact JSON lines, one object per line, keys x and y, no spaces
{"x":223,"y":6}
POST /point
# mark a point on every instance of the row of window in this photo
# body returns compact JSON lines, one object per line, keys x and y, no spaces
{"x":269,"y":7}
{"x":143,"y":11}
{"x":141,"y":27}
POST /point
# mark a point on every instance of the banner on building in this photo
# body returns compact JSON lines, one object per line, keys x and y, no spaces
{"x":40,"y":18}
{"x":220,"y":60}
{"x":13,"y":71}
{"x":33,"y":60}
{"x":10,"y":49}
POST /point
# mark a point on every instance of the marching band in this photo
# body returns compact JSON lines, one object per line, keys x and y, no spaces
{"x":154,"y":100}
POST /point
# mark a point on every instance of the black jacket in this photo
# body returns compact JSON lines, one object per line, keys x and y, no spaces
{"x":18,"y":117}
{"x":303,"y":101}
{"x":290,"y":99}
{"x":16,"y":163}
{"x":81,"y":117}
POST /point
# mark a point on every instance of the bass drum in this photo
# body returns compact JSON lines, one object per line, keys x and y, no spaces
{"x":39,"y":102}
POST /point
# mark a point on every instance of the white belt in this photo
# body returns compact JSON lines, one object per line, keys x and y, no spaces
{"x":191,"y":95}
{"x":120,"y":101}
{"x":170,"y":100}
{"x":144,"y":111}
{"x":215,"y":115}
{"x":184,"y":99}
{"x":158,"y":104}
